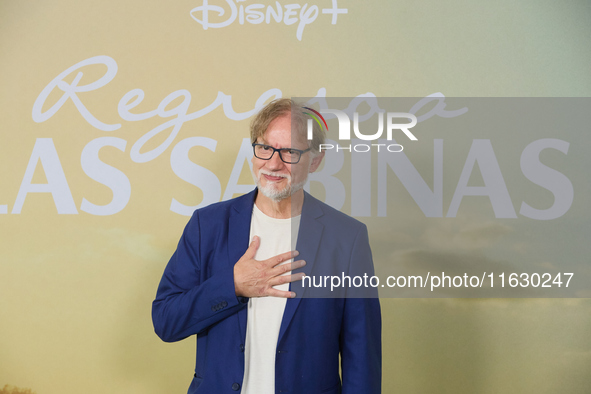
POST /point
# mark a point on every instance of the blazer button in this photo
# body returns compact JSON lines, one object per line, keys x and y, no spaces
{"x":241,"y":347}
{"x":235,"y":387}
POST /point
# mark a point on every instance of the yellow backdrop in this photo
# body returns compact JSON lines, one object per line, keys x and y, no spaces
{"x":81,"y":257}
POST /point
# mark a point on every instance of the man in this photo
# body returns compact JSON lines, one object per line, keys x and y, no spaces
{"x":253,"y":335}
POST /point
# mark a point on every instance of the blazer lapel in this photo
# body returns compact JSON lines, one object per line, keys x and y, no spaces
{"x":309,"y":236}
{"x":238,"y":240}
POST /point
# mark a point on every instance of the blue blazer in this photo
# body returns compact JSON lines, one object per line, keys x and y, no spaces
{"x":196,"y":296}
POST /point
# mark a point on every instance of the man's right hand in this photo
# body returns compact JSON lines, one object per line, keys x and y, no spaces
{"x":254,"y":278}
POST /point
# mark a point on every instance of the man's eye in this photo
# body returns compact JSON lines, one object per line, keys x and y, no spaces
{"x":291,"y":151}
{"x":265,"y":147}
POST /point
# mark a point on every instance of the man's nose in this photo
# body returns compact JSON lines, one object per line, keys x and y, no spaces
{"x":275,"y":162}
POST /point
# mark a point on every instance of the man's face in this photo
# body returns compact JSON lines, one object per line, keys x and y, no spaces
{"x":274,"y":178}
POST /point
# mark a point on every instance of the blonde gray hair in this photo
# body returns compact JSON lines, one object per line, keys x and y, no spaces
{"x":299,"y":121}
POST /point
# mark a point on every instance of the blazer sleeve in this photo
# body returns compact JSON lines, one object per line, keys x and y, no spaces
{"x":188,"y":301}
{"x":361,"y":331}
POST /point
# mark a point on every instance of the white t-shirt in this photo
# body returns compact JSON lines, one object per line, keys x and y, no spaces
{"x":265,"y":313}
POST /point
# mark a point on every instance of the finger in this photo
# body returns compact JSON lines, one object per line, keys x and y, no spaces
{"x":283,"y":268}
{"x":280,"y":280}
{"x":280,"y":258}
{"x":252,"y":248}
{"x":271,"y":292}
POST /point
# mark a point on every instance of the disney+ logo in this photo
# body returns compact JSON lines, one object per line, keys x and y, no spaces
{"x":216,"y":16}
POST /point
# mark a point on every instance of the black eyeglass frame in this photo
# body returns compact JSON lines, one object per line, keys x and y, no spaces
{"x":301,"y":152}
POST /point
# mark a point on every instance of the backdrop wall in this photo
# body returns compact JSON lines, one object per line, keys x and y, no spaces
{"x":100,"y":103}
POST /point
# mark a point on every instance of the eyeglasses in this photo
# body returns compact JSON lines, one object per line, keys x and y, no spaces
{"x":287,"y":155}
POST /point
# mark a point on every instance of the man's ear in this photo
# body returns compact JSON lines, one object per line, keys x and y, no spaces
{"x":316,"y":161}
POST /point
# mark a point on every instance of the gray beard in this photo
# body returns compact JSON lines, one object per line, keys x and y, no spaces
{"x":278,"y":195}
